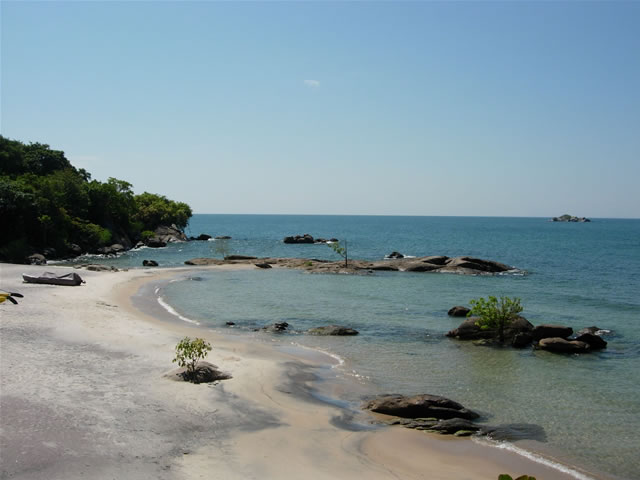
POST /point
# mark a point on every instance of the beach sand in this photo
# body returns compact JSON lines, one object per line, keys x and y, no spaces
{"x":82,"y":395}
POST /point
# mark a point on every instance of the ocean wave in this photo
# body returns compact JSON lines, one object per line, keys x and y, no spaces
{"x":502,"y":445}
{"x":171,"y":310}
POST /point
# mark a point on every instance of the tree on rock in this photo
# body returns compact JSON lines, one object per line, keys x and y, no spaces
{"x":189,"y":353}
{"x":495,"y":313}
{"x":340,"y":250}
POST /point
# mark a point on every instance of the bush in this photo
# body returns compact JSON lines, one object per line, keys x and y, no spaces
{"x":495,"y":313}
{"x":189,"y":353}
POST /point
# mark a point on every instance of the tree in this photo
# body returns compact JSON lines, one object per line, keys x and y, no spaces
{"x":340,"y":250}
{"x":495,"y":313}
{"x":189,"y":353}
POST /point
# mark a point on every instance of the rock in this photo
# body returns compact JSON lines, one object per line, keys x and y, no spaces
{"x":477,"y":264}
{"x":468,"y":330}
{"x":117,"y":248}
{"x":36,"y":259}
{"x":522,"y":339}
{"x":458,"y":311}
{"x":230,"y":324}
{"x":551,"y":331}
{"x":262,"y":265}
{"x":394,"y":254}
{"x":453,"y":425}
{"x":278,"y":327}
{"x":239,"y":257}
{"x":105,"y":251}
{"x":101,"y":268}
{"x":337,"y":330}
{"x":75,"y":250}
{"x":419,"y":406}
{"x":205,"y":372}
{"x":421,"y":267}
{"x":149,"y":263}
{"x":50,"y":252}
{"x":203,"y":237}
{"x":139,"y":245}
{"x":223,"y":237}
{"x":306,"y":238}
{"x":594,"y":341}
{"x":560,"y":345}
{"x":383,"y":268}
{"x":155,"y":242}
{"x":169,"y":234}
{"x":595,"y":330}
{"x":570,"y":218}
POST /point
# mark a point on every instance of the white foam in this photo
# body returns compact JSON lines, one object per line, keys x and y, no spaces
{"x":170,"y":309}
{"x":532,"y":456}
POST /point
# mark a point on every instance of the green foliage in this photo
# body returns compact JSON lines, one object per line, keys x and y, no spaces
{"x":46,"y":202}
{"x":146,"y":235}
{"x":190,"y":352}
{"x":505,"y":476}
{"x":340,"y":250}
{"x":495,"y":313}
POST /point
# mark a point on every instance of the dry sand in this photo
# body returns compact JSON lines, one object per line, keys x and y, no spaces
{"x":83,"y":396}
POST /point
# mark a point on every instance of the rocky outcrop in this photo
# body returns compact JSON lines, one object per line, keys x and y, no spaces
{"x":229,"y":258}
{"x":394,"y":255}
{"x":468,"y":330}
{"x":551,"y":331}
{"x":458,"y":311}
{"x":570,"y":218}
{"x":419,"y":406}
{"x":205,"y":372}
{"x":337,"y":330}
{"x":149,"y":263}
{"x":164,"y":235}
{"x":277,"y":327}
{"x":561,"y":345}
{"x":306,"y":238}
{"x":263,"y":265}
{"x":459,"y":265}
{"x":203,"y":237}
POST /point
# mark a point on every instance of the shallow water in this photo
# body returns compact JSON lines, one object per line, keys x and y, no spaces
{"x":588,"y":407}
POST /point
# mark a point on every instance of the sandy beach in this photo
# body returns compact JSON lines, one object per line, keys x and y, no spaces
{"x":82,"y":395}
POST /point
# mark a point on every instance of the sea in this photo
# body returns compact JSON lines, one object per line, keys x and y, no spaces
{"x":580,"y":413}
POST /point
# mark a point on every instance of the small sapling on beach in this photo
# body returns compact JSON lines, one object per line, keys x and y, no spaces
{"x":495,"y":313}
{"x":340,"y":250}
{"x":189,"y":353}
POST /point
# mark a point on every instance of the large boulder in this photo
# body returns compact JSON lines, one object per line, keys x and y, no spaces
{"x":117,"y":248}
{"x":149,"y":263}
{"x":561,"y":345}
{"x":155,"y":242}
{"x":202,"y":237}
{"x":419,"y":406}
{"x":468,"y":330}
{"x":551,"y":331}
{"x":306,"y":238}
{"x":458,"y":311}
{"x":336,"y":330}
{"x":477,"y":264}
{"x":170,"y":234}
{"x":594,"y":341}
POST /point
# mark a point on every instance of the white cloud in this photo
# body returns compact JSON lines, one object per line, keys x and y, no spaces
{"x":312,"y":83}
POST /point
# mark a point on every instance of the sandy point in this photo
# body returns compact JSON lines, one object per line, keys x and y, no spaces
{"x":82,"y":395}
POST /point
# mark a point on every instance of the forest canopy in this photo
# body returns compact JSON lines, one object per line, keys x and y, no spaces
{"x":45,"y":202}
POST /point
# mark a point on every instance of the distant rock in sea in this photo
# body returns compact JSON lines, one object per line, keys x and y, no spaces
{"x":570,"y":218}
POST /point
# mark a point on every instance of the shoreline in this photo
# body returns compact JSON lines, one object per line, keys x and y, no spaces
{"x":259,"y":424}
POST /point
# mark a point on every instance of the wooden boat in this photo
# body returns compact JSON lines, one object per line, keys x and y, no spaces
{"x":70,"y":279}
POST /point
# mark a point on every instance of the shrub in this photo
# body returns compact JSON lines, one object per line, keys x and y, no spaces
{"x":495,"y":313}
{"x":189,"y":353}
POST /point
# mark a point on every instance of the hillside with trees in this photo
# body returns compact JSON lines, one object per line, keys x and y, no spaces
{"x":47,"y":204}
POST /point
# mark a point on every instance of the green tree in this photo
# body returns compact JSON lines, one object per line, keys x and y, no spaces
{"x":189,"y":353}
{"x":495,"y":313}
{"x":340,"y":250}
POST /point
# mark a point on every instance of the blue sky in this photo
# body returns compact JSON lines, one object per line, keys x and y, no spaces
{"x":416,"y":108}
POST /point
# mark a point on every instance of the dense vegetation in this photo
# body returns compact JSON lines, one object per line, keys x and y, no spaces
{"x":47,"y":203}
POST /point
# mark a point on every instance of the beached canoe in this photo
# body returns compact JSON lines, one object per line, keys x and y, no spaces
{"x":70,"y":279}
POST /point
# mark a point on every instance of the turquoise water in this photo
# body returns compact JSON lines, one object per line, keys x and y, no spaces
{"x":577,"y":274}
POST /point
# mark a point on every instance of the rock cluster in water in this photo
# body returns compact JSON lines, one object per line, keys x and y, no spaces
{"x":434,"y":263}
{"x":570,"y":218}
{"x":306,"y":238}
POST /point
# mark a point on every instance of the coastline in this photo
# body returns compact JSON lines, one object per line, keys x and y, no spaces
{"x":82,"y":390}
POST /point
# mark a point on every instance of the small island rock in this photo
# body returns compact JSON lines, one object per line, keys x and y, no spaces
{"x":337,"y":330}
{"x":458,"y":311}
{"x":419,"y":406}
{"x":149,"y":263}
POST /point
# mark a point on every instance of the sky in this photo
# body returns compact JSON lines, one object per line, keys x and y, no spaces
{"x":386,"y":108}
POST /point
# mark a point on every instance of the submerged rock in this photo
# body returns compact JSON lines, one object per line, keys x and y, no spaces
{"x":337,"y":330}
{"x":277,"y":327}
{"x":240,"y":257}
{"x":561,"y":345}
{"x":594,"y":341}
{"x":262,"y":265}
{"x":458,"y":311}
{"x":419,"y":406}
